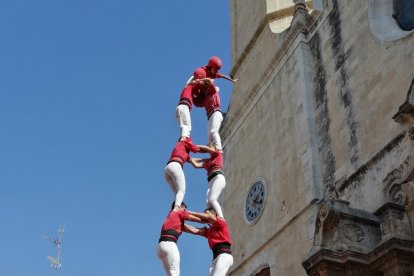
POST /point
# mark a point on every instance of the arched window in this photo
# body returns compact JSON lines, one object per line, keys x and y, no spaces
{"x":263,"y":272}
{"x":391,"y":20}
{"x":404,"y":14}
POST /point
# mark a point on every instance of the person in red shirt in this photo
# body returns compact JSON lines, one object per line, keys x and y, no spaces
{"x":174,"y":173}
{"x":215,"y":176}
{"x":211,"y":99}
{"x":186,"y":102}
{"x":171,"y":230}
{"x":214,"y":115}
{"x":212,"y":70}
{"x":219,"y":240}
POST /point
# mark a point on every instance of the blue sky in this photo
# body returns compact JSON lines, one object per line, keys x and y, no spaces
{"x":88,"y":90}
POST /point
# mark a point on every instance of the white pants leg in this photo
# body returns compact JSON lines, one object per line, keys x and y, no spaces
{"x":215,"y":186}
{"x":170,"y":257}
{"x":221,"y":264}
{"x":213,"y":127}
{"x":174,"y":175}
{"x":182,"y":113}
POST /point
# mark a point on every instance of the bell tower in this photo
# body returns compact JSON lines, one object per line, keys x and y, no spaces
{"x":307,"y":159}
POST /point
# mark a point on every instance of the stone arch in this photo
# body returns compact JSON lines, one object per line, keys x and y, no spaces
{"x":263,"y":270}
{"x":382,"y":23}
{"x":262,"y":263}
{"x":405,"y":112}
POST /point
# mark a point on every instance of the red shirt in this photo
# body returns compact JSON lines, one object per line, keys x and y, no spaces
{"x":181,"y":151}
{"x":215,"y":163}
{"x":211,"y":97}
{"x":186,"y":96}
{"x":217,"y":75}
{"x":190,"y":91}
{"x":175,"y":220}
{"x":211,"y":101}
{"x":201,"y":91}
{"x":218,"y":232}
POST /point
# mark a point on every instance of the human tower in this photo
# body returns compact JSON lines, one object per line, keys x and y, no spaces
{"x":200,"y":91}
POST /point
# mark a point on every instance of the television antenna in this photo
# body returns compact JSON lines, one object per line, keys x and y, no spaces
{"x":55,"y":262}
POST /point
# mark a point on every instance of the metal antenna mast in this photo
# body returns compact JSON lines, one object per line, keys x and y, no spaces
{"x":57,"y":242}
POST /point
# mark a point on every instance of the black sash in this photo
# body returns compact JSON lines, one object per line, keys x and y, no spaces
{"x":169,"y":235}
{"x":221,"y":248}
{"x":214,"y":174}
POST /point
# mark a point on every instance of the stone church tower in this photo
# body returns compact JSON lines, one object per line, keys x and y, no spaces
{"x":319,"y":138}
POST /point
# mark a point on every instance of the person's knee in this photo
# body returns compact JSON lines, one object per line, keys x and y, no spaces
{"x":213,"y":131}
{"x":212,"y":201}
{"x":181,"y":190}
{"x":175,"y":272}
{"x":182,"y":109}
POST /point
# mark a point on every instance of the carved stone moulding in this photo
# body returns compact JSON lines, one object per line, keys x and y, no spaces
{"x":394,"y":221}
{"x":399,"y":185}
{"x":340,"y":227}
{"x":330,"y":263}
{"x":405,"y":112}
{"x":328,"y":215}
{"x":350,"y":241}
{"x":353,"y":232}
{"x":393,"y":258}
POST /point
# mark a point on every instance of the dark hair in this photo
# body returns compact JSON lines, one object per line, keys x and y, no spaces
{"x":211,"y":209}
{"x":182,"y":204}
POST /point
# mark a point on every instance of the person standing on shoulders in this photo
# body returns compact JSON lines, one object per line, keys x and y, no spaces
{"x":215,"y":176}
{"x":185,"y":103}
{"x":174,"y":171}
{"x":209,"y":98}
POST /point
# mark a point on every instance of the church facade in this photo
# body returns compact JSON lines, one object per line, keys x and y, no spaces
{"x":319,"y":138}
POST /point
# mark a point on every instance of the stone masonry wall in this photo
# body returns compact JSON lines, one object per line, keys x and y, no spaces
{"x":313,"y":109}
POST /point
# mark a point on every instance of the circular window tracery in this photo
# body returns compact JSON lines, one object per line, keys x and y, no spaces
{"x":264,"y":271}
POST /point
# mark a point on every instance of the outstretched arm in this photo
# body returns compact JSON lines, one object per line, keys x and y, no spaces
{"x":205,"y":217}
{"x":230,"y":79}
{"x":196,"y":162}
{"x":194,"y":218}
{"x":193,"y":230}
{"x":206,"y":149}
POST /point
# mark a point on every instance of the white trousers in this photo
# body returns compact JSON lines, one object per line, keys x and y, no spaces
{"x":215,"y":187}
{"x":213,"y":127}
{"x":170,"y":257}
{"x":174,"y":175}
{"x":182,"y":113}
{"x":221,"y":264}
